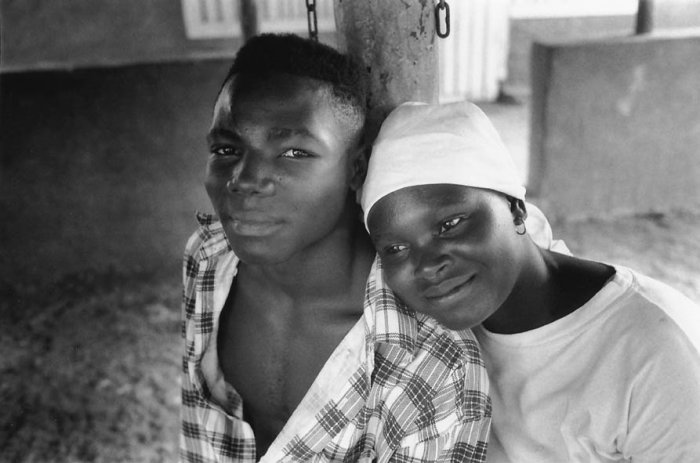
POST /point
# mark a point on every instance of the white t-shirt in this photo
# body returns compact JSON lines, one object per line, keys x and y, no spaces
{"x":616,"y":380}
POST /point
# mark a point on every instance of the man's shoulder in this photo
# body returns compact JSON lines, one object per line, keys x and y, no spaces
{"x":396,"y":323}
{"x":208,"y":239}
{"x":443,"y":379}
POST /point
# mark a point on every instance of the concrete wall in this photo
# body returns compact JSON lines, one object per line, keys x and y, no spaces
{"x":676,"y":14}
{"x":524,"y":32}
{"x":40,"y":34}
{"x":102,"y":167}
{"x":616,"y":126}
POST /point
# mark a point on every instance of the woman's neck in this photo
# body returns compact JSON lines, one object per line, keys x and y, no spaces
{"x":550,"y":286}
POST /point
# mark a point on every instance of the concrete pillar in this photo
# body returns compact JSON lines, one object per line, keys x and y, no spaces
{"x":645,"y":17}
{"x":397,"y":43}
{"x":249,"y":19}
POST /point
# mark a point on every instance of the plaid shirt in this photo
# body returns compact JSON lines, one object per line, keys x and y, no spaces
{"x":398,"y":388}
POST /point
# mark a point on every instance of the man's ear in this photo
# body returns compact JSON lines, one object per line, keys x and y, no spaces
{"x":359,"y":167}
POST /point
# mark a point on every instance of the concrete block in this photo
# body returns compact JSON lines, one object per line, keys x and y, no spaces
{"x":615,"y":126}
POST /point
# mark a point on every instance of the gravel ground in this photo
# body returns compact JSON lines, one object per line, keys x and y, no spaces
{"x":90,"y":366}
{"x":90,"y":372}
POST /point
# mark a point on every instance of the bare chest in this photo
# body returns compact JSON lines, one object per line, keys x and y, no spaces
{"x":271,"y":357}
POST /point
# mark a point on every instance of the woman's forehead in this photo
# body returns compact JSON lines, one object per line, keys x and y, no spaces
{"x":433,"y":197}
{"x":435,"y":193}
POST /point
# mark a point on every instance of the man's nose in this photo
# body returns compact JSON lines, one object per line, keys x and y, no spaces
{"x":252,"y":175}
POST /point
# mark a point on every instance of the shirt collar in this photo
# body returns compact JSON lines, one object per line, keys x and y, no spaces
{"x":213,"y":236}
{"x":388,"y":319}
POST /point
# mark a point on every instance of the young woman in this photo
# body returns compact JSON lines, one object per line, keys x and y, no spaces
{"x":587,"y":361}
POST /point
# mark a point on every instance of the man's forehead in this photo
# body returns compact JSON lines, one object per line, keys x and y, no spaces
{"x":282,"y":91}
{"x":223,"y":100}
{"x":228,"y":122}
{"x":298,"y":112}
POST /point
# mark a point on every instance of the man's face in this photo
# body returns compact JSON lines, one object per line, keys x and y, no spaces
{"x":280,"y":167}
{"x":448,"y":251}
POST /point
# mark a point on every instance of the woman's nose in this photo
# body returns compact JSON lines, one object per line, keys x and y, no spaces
{"x":431,"y":263}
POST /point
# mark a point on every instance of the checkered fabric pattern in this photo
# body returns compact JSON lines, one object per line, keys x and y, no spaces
{"x":411,"y":391}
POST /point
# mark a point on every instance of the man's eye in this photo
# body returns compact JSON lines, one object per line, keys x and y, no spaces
{"x":225,"y":151}
{"x":448,"y":225}
{"x":394,"y":249}
{"x":295,"y":153}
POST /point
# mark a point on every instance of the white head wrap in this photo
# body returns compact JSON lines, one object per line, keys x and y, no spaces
{"x":421,"y":144}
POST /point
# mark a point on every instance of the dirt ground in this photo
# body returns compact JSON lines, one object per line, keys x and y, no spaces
{"x":90,"y":367}
{"x":90,"y":371}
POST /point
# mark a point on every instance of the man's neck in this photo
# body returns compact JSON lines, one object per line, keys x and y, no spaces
{"x":325,"y":269}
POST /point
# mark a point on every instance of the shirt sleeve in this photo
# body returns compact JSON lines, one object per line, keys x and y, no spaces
{"x":455,"y":425}
{"x":189,"y":275}
{"x":464,"y":442}
{"x":191,"y":441}
{"x":664,"y":409}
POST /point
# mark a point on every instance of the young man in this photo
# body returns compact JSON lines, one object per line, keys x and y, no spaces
{"x":588,"y":362}
{"x":295,"y":349}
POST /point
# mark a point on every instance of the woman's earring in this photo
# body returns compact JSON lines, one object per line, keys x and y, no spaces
{"x":520,"y":226}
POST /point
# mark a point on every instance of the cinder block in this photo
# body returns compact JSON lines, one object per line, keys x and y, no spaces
{"x":616,"y":126}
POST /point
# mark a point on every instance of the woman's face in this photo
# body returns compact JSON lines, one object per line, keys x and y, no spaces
{"x":448,"y":251}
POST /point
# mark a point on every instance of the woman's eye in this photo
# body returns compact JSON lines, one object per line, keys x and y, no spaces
{"x":448,"y":225}
{"x":394,"y":249}
{"x":295,"y":153}
{"x":225,"y":151}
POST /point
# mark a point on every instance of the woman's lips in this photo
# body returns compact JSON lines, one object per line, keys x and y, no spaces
{"x":447,"y":289}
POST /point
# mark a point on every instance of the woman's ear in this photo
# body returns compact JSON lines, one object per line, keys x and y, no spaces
{"x":519,"y":213}
{"x":518,"y":209}
{"x":359,"y":168}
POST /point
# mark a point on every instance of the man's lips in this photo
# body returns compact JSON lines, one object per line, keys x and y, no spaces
{"x":447,"y":288}
{"x":254,"y":224}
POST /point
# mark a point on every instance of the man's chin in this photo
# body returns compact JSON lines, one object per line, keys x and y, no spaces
{"x":259,"y":254}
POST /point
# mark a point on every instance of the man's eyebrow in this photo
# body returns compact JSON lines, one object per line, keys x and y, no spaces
{"x":284,"y":132}
{"x":275,"y":133}
{"x":221,"y":133}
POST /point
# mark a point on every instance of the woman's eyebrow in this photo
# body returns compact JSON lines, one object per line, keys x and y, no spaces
{"x":381,"y":238}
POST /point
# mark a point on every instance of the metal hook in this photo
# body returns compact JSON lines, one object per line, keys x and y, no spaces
{"x":442,"y":5}
{"x":312,"y":19}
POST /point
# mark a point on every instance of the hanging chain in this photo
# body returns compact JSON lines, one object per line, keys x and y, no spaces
{"x":442,"y":6}
{"x":312,"y":19}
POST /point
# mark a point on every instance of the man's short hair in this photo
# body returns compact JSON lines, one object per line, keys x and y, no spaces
{"x":268,"y":54}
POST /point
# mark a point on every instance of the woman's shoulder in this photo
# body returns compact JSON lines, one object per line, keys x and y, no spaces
{"x":659,"y":305}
